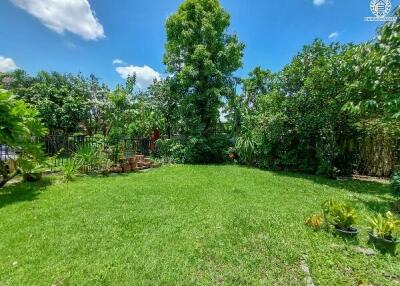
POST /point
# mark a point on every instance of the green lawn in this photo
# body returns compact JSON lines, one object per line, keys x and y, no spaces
{"x":185,"y":225}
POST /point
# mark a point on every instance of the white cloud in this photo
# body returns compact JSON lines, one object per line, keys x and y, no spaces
{"x":7,"y":64}
{"x":144,"y":75}
{"x":74,"y":16}
{"x":333,"y":36}
{"x":319,"y":2}
{"x":118,"y":62}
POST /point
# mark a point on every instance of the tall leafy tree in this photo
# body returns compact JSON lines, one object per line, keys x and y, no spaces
{"x":201,"y":55}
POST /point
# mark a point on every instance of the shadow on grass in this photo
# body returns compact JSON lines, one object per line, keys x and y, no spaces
{"x":375,"y":196}
{"x":22,"y":191}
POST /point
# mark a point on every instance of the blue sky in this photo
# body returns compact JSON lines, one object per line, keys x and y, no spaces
{"x":86,"y":36}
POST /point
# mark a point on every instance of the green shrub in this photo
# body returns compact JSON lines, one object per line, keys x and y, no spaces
{"x":201,"y":150}
{"x":395,"y":183}
{"x":247,"y":148}
{"x":69,"y":170}
{"x":205,"y":150}
{"x":91,"y":158}
{"x":170,"y":150}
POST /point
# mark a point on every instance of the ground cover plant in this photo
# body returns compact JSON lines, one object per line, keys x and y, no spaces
{"x":186,"y":225}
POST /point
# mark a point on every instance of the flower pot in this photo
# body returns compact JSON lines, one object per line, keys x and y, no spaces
{"x":32,"y":177}
{"x":350,"y":232}
{"x":132,"y":160}
{"x":126,"y":168}
{"x":384,"y":245}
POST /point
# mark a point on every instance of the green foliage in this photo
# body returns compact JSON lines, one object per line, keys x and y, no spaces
{"x":18,"y":122}
{"x":130,"y":114}
{"x":170,"y":150}
{"x":247,"y":148}
{"x":331,"y":111}
{"x":340,"y":215}
{"x":202,"y":57}
{"x":19,"y":126}
{"x":61,"y":100}
{"x":256,"y":85}
{"x":201,"y":150}
{"x":395,"y":183}
{"x":166,"y":99}
{"x":385,"y":227}
{"x":69,"y":170}
{"x":206,"y":150}
{"x":29,"y":165}
{"x":376,"y":74}
{"x":90,"y":159}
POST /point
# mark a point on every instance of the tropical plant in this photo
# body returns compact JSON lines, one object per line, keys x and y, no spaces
{"x":315,"y":221}
{"x":246,"y":147}
{"x":385,"y":227}
{"x":19,"y":125}
{"x":30,"y":165}
{"x":91,"y":158}
{"x":341,"y":215}
{"x":68,"y":170}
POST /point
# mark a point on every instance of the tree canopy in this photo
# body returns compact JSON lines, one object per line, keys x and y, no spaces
{"x":202,"y":56}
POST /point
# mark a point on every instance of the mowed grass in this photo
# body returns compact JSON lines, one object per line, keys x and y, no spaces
{"x":186,"y":225}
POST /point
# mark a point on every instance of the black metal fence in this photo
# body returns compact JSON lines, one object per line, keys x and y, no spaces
{"x":61,"y":148}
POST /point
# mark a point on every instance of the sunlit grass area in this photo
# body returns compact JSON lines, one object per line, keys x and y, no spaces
{"x":186,"y":225}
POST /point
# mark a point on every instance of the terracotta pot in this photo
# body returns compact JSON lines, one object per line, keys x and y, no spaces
{"x":131,"y":160}
{"x":126,"y":168}
{"x":140,"y":157}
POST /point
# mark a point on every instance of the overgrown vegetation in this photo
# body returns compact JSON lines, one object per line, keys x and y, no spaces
{"x":333,"y":110}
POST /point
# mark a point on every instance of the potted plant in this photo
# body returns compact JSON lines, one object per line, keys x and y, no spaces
{"x":342,"y":217}
{"x":382,"y":232}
